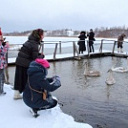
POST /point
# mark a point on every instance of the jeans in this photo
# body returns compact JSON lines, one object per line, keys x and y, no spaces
{"x":1,"y":80}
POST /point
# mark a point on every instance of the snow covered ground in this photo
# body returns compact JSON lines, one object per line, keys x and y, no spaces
{"x":15,"y":114}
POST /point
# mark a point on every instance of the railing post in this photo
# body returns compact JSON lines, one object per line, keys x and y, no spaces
{"x":101,"y":46}
{"x":42,"y":47}
{"x":73,"y":48}
{"x":54,"y":55}
{"x":88,"y":48}
{"x":60,"y":46}
{"x":114,"y":47}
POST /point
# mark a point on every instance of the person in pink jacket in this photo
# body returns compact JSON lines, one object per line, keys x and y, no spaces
{"x":3,"y":63}
{"x":0,"y":32}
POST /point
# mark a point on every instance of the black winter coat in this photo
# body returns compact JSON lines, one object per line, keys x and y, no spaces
{"x":81,"y":43}
{"x":91,"y":36}
{"x":38,"y":81}
{"x":28,"y":52}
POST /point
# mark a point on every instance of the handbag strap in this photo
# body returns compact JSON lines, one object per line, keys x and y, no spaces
{"x":33,"y":88}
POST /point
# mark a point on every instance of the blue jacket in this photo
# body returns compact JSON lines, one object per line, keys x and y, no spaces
{"x":37,"y":81}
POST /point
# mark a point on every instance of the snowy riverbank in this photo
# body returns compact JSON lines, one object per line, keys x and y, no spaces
{"x":14,"y":113}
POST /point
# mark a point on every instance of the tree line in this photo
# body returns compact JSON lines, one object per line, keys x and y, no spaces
{"x":113,"y":32}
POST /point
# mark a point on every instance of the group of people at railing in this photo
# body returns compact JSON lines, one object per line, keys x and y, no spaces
{"x":81,"y":42}
{"x":91,"y":38}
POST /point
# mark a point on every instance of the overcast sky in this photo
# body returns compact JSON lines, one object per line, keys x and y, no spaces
{"x":22,"y":15}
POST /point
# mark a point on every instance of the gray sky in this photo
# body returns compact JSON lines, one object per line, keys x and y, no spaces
{"x":22,"y":15}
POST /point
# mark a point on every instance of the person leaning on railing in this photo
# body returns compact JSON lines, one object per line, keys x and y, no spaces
{"x":28,"y":52}
{"x":91,"y":38}
{"x":81,"y":42}
{"x":120,"y":42}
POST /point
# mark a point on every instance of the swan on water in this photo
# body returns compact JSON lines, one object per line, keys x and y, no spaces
{"x":120,"y":69}
{"x":90,"y":73}
{"x":110,"y":79}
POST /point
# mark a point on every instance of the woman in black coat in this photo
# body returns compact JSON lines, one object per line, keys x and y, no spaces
{"x":81,"y":42}
{"x":28,"y":52}
{"x":37,"y":92}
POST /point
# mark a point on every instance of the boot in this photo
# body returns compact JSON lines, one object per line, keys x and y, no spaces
{"x":34,"y":113}
{"x":17,"y":95}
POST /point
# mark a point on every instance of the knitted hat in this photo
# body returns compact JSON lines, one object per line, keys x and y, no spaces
{"x":43,"y":62}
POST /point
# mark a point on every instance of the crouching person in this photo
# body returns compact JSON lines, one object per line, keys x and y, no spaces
{"x":37,"y":92}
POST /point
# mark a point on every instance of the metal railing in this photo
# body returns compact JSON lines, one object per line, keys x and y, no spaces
{"x":56,"y":47}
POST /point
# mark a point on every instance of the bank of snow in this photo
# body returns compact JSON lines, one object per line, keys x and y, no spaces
{"x":15,"y":114}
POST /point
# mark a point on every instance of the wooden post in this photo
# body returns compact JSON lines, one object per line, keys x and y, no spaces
{"x":54,"y":55}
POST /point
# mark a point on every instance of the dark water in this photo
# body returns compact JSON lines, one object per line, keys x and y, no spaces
{"x":93,"y":102}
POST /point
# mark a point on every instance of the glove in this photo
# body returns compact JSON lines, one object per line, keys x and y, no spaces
{"x":56,"y":78}
{"x":56,"y":81}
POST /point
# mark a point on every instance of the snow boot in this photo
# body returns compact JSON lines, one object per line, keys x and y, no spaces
{"x":17,"y":95}
{"x":34,"y":112}
{"x":3,"y":93}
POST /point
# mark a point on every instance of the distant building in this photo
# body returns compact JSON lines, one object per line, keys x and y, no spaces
{"x":70,"y":33}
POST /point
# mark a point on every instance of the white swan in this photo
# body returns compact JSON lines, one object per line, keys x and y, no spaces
{"x":110,"y":79}
{"x":120,"y":69}
{"x":90,"y":73}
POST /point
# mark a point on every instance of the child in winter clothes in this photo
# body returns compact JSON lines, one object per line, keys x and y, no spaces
{"x":37,"y":92}
{"x":3,"y":63}
{"x":1,"y":35}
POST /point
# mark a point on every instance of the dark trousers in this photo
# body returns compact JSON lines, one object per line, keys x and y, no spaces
{"x":1,"y":80}
{"x":20,"y":78}
{"x":48,"y":106}
{"x":91,"y":48}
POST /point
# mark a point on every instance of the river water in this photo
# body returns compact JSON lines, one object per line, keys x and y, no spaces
{"x":91,"y":100}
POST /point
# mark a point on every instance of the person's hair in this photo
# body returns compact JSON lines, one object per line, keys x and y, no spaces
{"x":37,"y":34}
{"x":83,"y":32}
{"x":91,"y":30}
{"x":123,"y":35}
{"x":40,"y":31}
